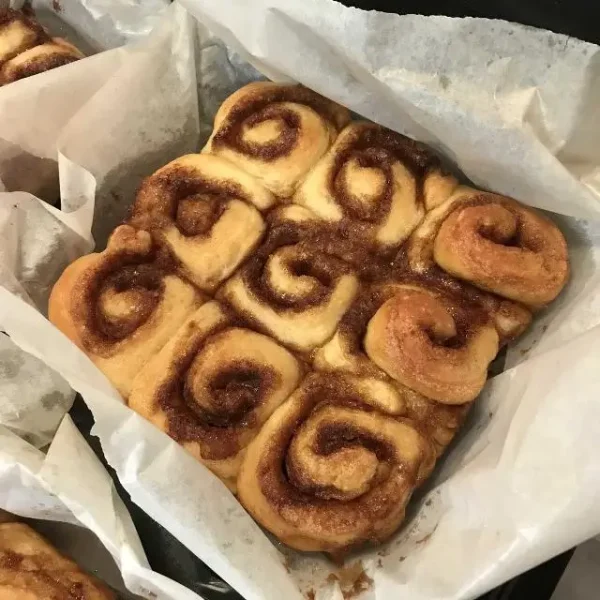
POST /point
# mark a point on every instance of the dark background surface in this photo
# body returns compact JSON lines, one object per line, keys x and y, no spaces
{"x":571,"y":17}
{"x":165,"y":554}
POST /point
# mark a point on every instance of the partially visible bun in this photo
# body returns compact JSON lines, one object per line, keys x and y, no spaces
{"x":32,"y":569}
{"x":26,"y":49}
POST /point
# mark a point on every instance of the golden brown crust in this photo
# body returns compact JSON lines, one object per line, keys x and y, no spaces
{"x":276,"y":132}
{"x":430,"y":344}
{"x":121,"y":305}
{"x":26,"y":49}
{"x":496,"y":244}
{"x":328,"y":471}
{"x":292,"y":288}
{"x":376,"y":183}
{"x":206,"y":212}
{"x":345,"y":353}
{"x":501,"y":246}
{"x":31,"y":569}
{"x":213,"y":386}
{"x":60,"y":311}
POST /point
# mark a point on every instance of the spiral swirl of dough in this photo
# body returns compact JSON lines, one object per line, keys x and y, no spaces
{"x":431,"y":344}
{"x":213,"y":386}
{"x":345,"y":353}
{"x":510,"y":318}
{"x":206,"y":211}
{"x":375,"y":182}
{"x":503,"y":247}
{"x":290,"y":287}
{"x":26,"y":49}
{"x":276,"y":132}
{"x":328,"y":471}
{"x":121,"y":305}
{"x":494,"y":243}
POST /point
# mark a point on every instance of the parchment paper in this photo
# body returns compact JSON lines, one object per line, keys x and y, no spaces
{"x":515,"y":109}
{"x":50,"y":487}
{"x":95,"y":25}
{"x":64,"y":483}
{"x":28,"y":154}
{"x":48,"y":474}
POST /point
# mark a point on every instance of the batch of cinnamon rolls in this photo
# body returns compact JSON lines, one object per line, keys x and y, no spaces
{"x":27,"y":49}
{"x":31,"y":568}
{"x":309,"y":306}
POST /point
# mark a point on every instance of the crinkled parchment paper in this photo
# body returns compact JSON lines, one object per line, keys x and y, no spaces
{"x":28,"y":153}
{"x":47,"y":471}
{"x":69,"y":486}
{"x":516,"y":110}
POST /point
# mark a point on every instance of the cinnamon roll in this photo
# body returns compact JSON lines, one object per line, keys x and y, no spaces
{"x":432,"y":344}
{"x":345,"y":353}
{"x":32,"y":569}
{"x":26,"y":49}
{"x":494,"y":243}
{"x":276,"y":132}
{"x":292,"y":287}
{"x":122,"y":305}
{"x":329,"y":471}
{"x":377,"y":183}
{"x":205,"y":210}
{"x":213,"y":386}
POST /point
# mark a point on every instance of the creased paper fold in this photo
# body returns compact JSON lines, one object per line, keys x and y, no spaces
{"x":522,"y":483}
